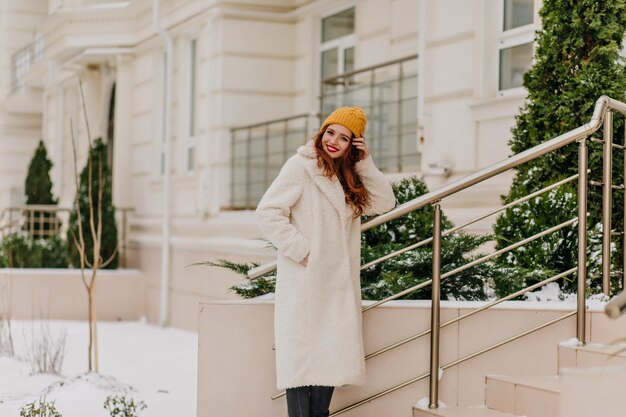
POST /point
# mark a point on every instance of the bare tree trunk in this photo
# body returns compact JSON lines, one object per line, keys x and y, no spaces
{"x":96,"y":234}
{"x":6,"y":300}
{"x":95,"y":325}
{"x":90,"y":317}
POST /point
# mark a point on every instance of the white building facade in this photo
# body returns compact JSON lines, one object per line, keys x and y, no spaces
{"x":166,"y":82}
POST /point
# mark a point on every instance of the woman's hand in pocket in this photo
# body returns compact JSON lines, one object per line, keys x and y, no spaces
{"x":304,"y":261}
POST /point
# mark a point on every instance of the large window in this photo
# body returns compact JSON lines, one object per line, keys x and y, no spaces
{"x":515,"y":43}
{"x":387,"y":93}
{"x":337,"y":43}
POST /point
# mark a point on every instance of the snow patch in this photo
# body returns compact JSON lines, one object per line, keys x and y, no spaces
{"x":570,"y":342}
{"x":148,"y":363}
{"x":92,"y":380}
{"x":549,"y":292}
{"x":423,"y":403}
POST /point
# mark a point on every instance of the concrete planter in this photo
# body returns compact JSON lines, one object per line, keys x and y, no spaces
{"x":60,"y":294}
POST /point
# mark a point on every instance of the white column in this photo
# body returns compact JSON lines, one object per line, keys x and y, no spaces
{"x":209,"y":145}
{"x":93,"y":100}
{"x":122,"y":133}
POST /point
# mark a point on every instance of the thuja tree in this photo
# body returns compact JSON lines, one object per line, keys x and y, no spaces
{"x":576,"y":61}
{"x":415,"y":267}
{"x":38,"y":189}
{"x":103,"y":207}
{"x":406,"y":270}
{"x":38,"y":184}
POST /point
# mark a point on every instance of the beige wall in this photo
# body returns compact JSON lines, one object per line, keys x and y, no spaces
{"x":256,"y":61}
{"x":20,"y":118}
{"x":237,"y":336}
{"x":190,"y":285}
{"x":60,"y":294}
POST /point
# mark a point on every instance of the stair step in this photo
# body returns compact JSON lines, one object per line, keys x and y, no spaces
{"x":472,"y":411}
{"x":527,"y":396}
{"x":594,"y":391}
{"x":590,"y":355}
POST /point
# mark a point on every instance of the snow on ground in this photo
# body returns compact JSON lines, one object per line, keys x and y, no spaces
{"x":148,"y":363}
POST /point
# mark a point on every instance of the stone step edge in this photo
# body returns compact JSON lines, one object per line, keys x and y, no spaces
{"x":598,"y":348}
{"x":540,"y":383}
{"x":462,"y":411}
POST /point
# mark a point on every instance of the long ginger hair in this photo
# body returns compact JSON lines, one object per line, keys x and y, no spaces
{"x":356,"y":194}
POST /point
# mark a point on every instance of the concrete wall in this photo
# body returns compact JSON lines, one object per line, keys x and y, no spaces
{"x":60,"y":294}
{"x":191,"y":285}
{"x":236,"y":337}
{"x":20,"y":120}
{"x":257,"y":60}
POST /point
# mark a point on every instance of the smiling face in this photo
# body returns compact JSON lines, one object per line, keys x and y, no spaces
{"x":336,"y":140}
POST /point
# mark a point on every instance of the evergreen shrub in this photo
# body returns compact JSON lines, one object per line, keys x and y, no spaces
{"x":19,"y":250}
{"x":38,"y":189}
{"x":414,"y":267}
{"x":577,"y":60}
{"x":406,"y":270}
{"x":98,"y":157}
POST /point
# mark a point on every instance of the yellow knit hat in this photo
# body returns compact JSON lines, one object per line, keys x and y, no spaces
{"x":351,"y":117}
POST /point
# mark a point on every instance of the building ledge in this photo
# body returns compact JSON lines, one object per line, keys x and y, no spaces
{"x":24,"y":101}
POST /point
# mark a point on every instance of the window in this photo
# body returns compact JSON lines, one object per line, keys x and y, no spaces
{"x":21,"y":65}
{"x":193,"y":106}
{"x":517,"y":13}
{"x":38,"y":47}
{"x":337,"y":43}
{"x":515,"y":43}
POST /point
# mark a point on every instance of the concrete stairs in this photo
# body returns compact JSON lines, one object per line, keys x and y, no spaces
{"x":581,"y":370}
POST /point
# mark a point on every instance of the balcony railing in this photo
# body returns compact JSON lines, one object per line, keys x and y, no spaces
{"x":388,"y":94}
{"x":43,"y":221}
{"x":259,"y":151}
{"x":581,"y":136}
{"x":23,"y":59}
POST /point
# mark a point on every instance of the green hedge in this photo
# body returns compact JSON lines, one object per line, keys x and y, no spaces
{"x":19,"y":250}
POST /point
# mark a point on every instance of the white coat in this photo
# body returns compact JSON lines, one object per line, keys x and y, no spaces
{"x":317,"y":310}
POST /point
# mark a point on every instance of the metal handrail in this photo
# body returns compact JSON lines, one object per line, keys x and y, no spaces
{"x":453,"y":363}
{"x":469,"y":222}
{"x":474,"y":262}
{"x":473,"y":312}
{"x":454,"y":187}
{"x":581,"y":134}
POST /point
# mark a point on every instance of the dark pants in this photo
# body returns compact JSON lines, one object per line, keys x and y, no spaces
{"x":309,"y":401}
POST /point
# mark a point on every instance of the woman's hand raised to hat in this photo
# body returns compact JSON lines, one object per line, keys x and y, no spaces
{"x":362,"y":146}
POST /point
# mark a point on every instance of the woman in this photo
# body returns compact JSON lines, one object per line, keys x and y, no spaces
{"x":311,"y":213}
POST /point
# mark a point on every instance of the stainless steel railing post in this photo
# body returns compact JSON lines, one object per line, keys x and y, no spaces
{"x":582,"y":241}
{"x":435,"y":310}
{"x":607,"y":189}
